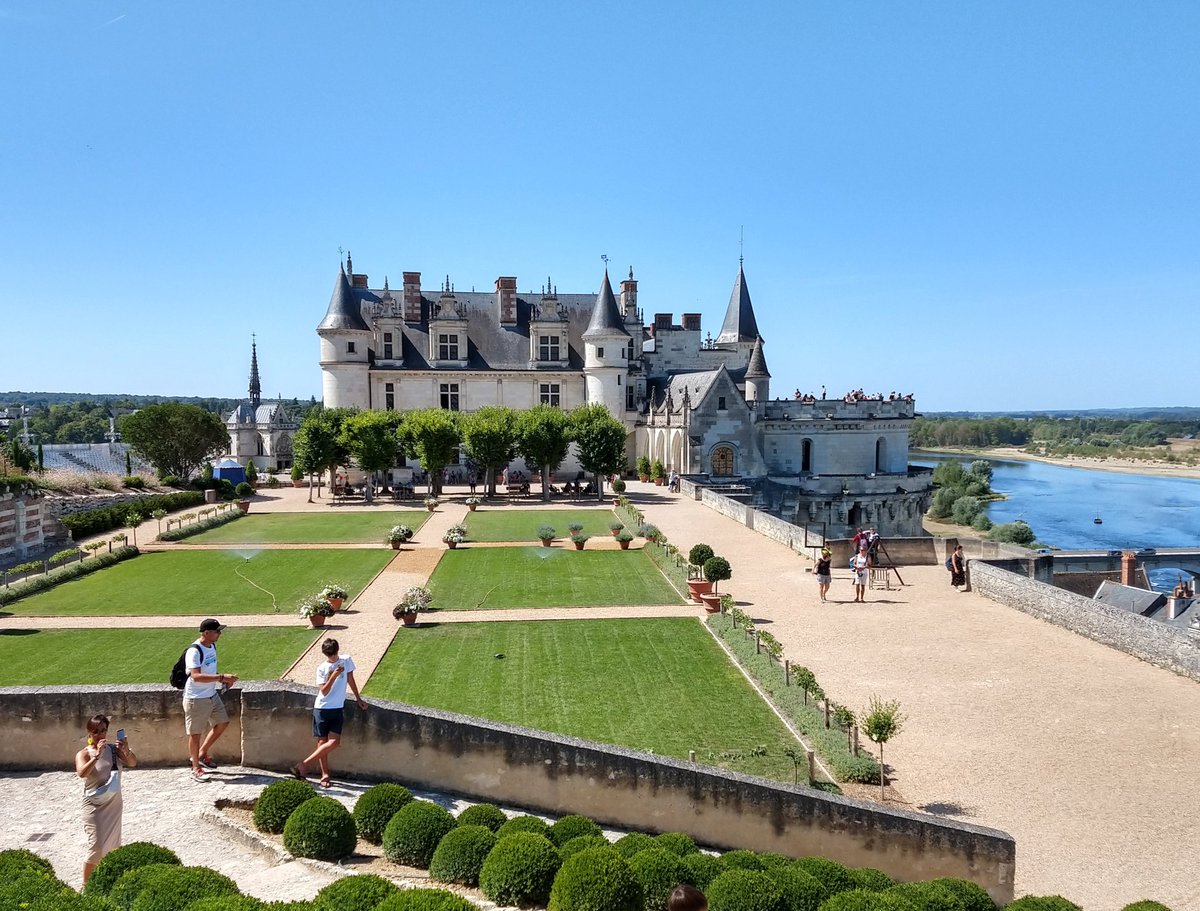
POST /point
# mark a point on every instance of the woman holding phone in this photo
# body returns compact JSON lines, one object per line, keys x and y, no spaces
{"x":99,"y":764}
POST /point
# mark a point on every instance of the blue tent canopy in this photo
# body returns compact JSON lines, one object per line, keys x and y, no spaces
{"x":229,"y":470}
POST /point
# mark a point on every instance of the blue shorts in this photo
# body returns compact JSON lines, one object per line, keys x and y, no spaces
{"x":328,"y":721}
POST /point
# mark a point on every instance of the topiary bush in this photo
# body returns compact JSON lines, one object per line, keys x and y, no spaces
{"x":320,"y":828}
{"x":66,"y":900}
{"x":131,"y":883}
{"x":1042,"y":902}
{"x":583,"y":843}
{"x":801,"y":891}
{"x":772,"y":860}
{"x":278,"y":801}
{"x":375,"y":808}
{"x":599,"y":879}
{"x":862,"y":768}
{"x":971,"y":896}
{"x":483,"y":814}
{"x":524,"y":824}
{"x":30,"y":884}
{"x":832,"y":875}
{"x":926,"y":896}
{"x":701,"y":869}
{"x":1146,"y":905}
{"x":570,"y":827}
{"x":127,"y":857}
{"x":871,"y":879}
{"x":633,"y":843}
{"x":361,"y":892}
{"x":676,"y":843}
{"x":744,"y":890}
{"x":700,"y":554}
{"x":173,"y":888}
{"x":658,"y":871}
{"x":865,"y":900}
{"x":243,"y":490}
{"x":229,"y":903}
{"x":414,"y":832}
{"x":460,"y":854}
{"x":426,"y":900}
{"x":520,"y":870}
{"x":742,"y":860}
{"x":21,"y":860}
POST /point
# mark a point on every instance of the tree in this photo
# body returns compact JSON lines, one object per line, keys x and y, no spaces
{"x":600,"y":442}
{"x":490,"y":436}
{"x":981,"y":470}
{"x":717,"y":570}
{"x":543,"y":437}
{"x":371,"y":437}
{"x":251,"y":472}
{"x":21,"y":456}
{"x":881,"y":721}
{"x":317,"y":446}
{"x":433,"y":435}
{"x":41,"y":459}
{"x":174,"y":438}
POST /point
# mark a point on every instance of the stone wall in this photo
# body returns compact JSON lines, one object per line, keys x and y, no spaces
{"x":22,"y":517}
{"x":1150,"y":640}
{"x":546,"y":773}
{"x":58,"y":506}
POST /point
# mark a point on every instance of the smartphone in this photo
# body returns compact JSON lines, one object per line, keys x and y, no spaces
{"x":120,"y":733}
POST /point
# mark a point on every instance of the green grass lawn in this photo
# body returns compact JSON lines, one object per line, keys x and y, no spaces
{"x":655,"y":684}
{"x":208,"y":582}
{"x":522,"y":524}
{"x":64,"y":657}
{"x":504,"y":577}
{"x":312,"y":528}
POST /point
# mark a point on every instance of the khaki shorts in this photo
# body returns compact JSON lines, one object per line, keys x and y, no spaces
{"x":199,"y":713}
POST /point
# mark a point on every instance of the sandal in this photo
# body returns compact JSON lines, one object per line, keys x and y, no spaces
{"x":298,"y":772}
{"x":325,"y":782}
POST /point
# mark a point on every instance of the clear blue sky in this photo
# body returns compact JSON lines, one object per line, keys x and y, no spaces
{"x":990,"y":205}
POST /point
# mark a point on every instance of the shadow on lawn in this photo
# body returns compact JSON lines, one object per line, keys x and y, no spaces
{"x":17,"y":632}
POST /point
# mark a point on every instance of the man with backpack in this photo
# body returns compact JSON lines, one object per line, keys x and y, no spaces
{"x":202,"y":703}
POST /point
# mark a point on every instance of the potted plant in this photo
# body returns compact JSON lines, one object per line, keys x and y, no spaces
{"x":618,"y":488}
{"x":649,"y":532}
{"x":579,"y":539}
{"x":717,"y":569}
{"x":398,"y":535}
{"x":414,"y":601}
{"x":574,"y":528}
{"x":624,"y":536}
{"x":546,"y":534}
{"x":335,"y":593}
{"x":643,"y":468}
{"x":699,"y":585}
{"x":658,"y":473}
{"x":244,"y":491}
{"x":431,"y":503}
{"x":316,"y":610}
{"x":454,"y":536}
{"x":297,"y":476}
{"x":616,"y":526}
{"x":473,"y":503}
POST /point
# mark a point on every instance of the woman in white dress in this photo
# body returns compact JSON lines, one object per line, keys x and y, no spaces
{"x":99,"y":764}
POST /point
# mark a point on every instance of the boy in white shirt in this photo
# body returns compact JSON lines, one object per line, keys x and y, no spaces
{"x":333,"y":675}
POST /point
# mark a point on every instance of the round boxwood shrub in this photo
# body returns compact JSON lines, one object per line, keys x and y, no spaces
{"x":1146,"y":905}
{"x":460,"y":854}
{"x":127,"y":857}
{"x":130,"y":884}
{"x":570,"y":827}
{"x":633,"y":843}
{"x":520,"y":870}
{"x":701,"y":869}
{"x":772,"y":860}
{"x":426,"y":900}
{"x":865,"y":900}
{"x":277,"y":801}
{"x":413,"y":834}
{"x":599,"y":879}
{"x":1042,"y":903}
{"x":676,"y":843}
{"x":320,"y":828}
{"x":243,"y":490}
{"x":173,"y":888}
{"x":31,"y":884}
{"x":68,"y":900}
{"x":658,"y":871}
{"x":228,"y":903}
{"x":875,"y":880}
{"x":583,"y":843}
{"x":375,"y":808}
{"x":742,"y":859}
{"x":20,"y":860}
{"x":801,"y":892}
{"x":926,"y":896}
{"x":829,"y":873}
{"x":533,"y":824}
{"x":483,"y":814}
{"x":361,"y":892}
{"x":971,"y":896}
{"x":744,"y":890}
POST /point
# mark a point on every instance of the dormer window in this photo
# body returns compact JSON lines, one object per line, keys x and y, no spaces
{"x":448,"y":346}
{"x":720,"y":403}
{"x":387,"y":346}
{"x":549,"y":348}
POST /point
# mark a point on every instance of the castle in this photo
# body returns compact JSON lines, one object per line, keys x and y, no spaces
{"x":261,"y":432}
{"x":700,"y":406}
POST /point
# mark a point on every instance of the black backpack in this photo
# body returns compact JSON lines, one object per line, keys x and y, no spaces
{"x":179,"y":674}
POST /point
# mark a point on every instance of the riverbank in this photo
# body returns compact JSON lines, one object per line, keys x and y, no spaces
{"x":1123,"y":466}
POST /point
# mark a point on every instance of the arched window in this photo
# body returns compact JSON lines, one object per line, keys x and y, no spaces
{"x":722,"y":462}
{"x":880,"y":455}
{"x":262,"y":446}
{"x":806,"y":456}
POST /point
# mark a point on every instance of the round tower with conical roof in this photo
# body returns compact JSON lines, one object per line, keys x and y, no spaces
{"x":345,"y":342}
{"x":605,"y":346}
{"x":758,"y":378}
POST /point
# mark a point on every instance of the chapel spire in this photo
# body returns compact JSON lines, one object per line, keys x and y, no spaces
{"x":255,"y":384}
{"x":740,"y":324}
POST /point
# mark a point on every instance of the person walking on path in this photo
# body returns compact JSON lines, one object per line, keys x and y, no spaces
{"x":860,"y":563}
{"x":99,"y":764}
{"x":202,"y":703}
{"x":958,"y":567}
{"x":334,"y":674}
{"x":822,"y":569}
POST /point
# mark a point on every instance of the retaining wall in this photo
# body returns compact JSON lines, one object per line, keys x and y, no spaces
{"x":1151,"y":640}
{"x":21,"y":524}
{"x":271,"y":728}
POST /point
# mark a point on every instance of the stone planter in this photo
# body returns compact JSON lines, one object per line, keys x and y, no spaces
{"x":243,"y":505}
{"x":409,"y":619}
{"x":697,"y":588}
{"x":712,"y":602}
{"x":210,"y":496}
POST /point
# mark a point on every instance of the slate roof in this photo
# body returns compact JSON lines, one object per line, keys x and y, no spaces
{"x":345,"y":310}
{"x":695,"y":383}
{"x":757,"y":367}
{"x":1128,"y":598}
{"x":740,"y":324}
{"x":265,"y":413}
{"x":606,"y":319}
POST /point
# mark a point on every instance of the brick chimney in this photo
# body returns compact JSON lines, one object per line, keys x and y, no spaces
{"x":691,"y":321}
{"x":1129,"y":569}
{"x":629,"y":296}
{"x":662,"y":321}
{"x":358,"y":280}
{"x":412,"y":297}
{"x":506,"y":297}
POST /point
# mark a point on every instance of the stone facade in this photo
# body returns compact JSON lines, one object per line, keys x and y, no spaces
{"x":261,"y":432}
{"x":21,"y":523}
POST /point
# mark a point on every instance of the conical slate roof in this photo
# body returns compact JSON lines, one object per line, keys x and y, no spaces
{"x":758,"y":364}
{"x":739,"y":325}
{"x":606,"y":318}
{"x":345,"y":312}
{"x":255,"y":384}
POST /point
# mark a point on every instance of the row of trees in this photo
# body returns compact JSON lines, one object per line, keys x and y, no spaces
{"x":1056,"y":433}
{"x":492,"y":437}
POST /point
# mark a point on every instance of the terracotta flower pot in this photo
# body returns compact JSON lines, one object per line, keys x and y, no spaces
{"x":472,"y":506}
{"x":624,"y":545}
{"x":336,"y":603}
{"x":395,"y":545}
{"x":712,"y":602}
{"x":244,"y":505}
{"x":615,"y":532}
{"x":578,"y":545}
{"x":409,"y":619}
{"x":452,"y":544}
{"x":697,"y":588}
{"x":300,"y":483}
{"x":546,"y":542}
{"x":658,"y":482}
{"x":643,"y":478}
{"x":317,"y":620}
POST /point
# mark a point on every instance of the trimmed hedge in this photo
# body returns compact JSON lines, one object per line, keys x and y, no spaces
{"x":633,"y":843}
{"x":1146,"y":905}
{"x":168,"y":887}
{"x":278,"y":801}
{"x":573,"y":826}
{"x":60,"y":574}
{"x":677,"y":843}
{"x":1042,"y":903}
{"x":483,"y":814}
{"x":658,"y":872}
{"x":426,"y":900}
{"x":876,"y":880}
{"x":596,"y":880}
{"x":744,"y":890}
{"x":14,"y":861}
{"x":532,"y":824}
{"x":375,"y":808}
{"x":741,"y":859}
{"x":27,"y":882}
{"x":701,"y":869}
{"x":127,"y":857}
{"x":94,"y":521}
{"x":926,"y":896}
{"x":230,"y":903}
{"x":584,"y":843}
{"x":971,"y":897}
{"x":320,"y":828}
{"x":801,"y":891}
{"x":361,"y":892}
{"x":194,"y":528}
{"x":829,"y":873}
{"x":413,"y":833}
{"x":460,"y":854}
{"x":520,"y":870}
{"x":864,"y":900}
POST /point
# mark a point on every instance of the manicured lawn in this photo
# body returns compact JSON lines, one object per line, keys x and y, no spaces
{"x":208,"y":582}
{"x":654,"y":684}
{"x":63,"y":657}
{"x":504,"y":577}
{"x":312,"y":528}
{"x":522,"y":524}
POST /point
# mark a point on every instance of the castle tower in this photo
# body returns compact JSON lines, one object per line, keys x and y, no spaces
{"x":345,"y":340}
{"x":605,"y":342}
{"x":255,"y":384}
{"x":740,"y":328}
{"x":758,"y":378}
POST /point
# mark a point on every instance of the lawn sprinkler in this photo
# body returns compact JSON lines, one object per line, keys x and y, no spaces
{"x":238,"y":572}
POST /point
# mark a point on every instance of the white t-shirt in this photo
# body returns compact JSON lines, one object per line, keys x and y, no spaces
{"x":205,"y":658}
{"x":860,"y":568}
{"x":336,"y":697}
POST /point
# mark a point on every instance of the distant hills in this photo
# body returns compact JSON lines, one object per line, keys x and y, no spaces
{"x":1150,"y":413}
